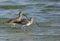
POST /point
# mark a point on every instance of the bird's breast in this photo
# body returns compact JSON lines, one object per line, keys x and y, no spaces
{"x":28,"y":24}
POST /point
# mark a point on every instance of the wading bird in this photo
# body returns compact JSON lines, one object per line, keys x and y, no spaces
{"x":17,"y":19}
{"x":25,"y":22}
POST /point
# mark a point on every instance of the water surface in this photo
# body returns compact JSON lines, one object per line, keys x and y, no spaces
{"x":46,"y":25}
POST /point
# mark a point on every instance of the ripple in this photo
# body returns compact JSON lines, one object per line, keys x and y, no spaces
{"x":46,"y":25}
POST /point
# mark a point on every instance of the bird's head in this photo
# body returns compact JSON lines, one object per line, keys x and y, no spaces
{"x":22,"y":14}
{"x":31,"y":18}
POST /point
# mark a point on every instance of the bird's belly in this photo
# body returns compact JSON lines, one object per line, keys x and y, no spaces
{"x":28,"y":24}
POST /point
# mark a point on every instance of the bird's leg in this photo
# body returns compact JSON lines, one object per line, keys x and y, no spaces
{"x":24,"y":28}
{"x":13,"y":25}
{"x":29,"y":29}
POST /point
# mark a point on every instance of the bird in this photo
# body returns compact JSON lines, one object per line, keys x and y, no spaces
{"x":17,"y":19}
{"x":26,"y":22}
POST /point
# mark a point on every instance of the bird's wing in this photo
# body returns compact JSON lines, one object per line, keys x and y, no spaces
{"x":11,"y":20}
{"x":24,"y":21}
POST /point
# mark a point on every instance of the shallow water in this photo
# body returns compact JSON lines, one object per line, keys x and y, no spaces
{"x":46,"y":25}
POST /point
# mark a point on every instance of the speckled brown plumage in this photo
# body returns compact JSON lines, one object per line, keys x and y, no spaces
{"x":25,"y":22}
{"x":16,"y":19}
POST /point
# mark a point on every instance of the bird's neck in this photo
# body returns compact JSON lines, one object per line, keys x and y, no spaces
{"x":31,"y":20}
{"x":19,"y":17}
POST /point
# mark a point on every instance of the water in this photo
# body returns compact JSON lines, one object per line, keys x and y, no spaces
{"x":46,"y":25}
